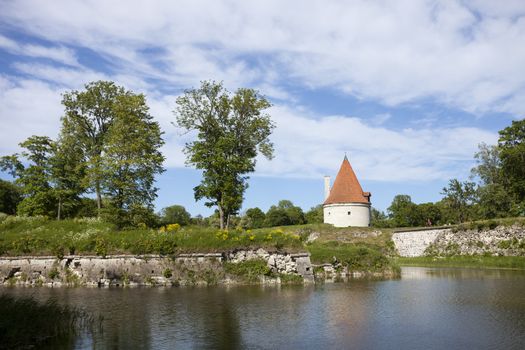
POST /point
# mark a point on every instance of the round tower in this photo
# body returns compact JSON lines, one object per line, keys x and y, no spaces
{"x":347,"y":204}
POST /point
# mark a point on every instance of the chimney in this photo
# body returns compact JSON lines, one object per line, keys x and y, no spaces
{"x":326,"y":187}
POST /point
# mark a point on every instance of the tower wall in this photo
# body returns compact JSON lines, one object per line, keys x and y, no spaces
{"x":338,"y":214}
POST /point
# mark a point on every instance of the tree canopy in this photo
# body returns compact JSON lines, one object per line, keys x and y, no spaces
{"x":231,"y":130}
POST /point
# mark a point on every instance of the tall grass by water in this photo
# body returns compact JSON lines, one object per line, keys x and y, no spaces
{"x":26,"y":323}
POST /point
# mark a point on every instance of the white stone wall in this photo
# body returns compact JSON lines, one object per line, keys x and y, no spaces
{"x":414,"y":243}
{"x":338,"y":214}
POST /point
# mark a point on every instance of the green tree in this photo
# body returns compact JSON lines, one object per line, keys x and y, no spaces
{"x":87,"y":120}
{"x":175,"y":214}
{"x":429,"y":213}
{"x":67,"y":173}
{"x":511,"y":146}
{"x":130,"y":161}
{"x":403,"y":212}
{"x":494,"y":199}
{"x":315,"y":215}
{"x":459,"y":198}
{"x":231,"y":131}
{"x":10,"y":197}
{"x":379,"y":218}
{"x":284,"y":213}
{"x":34,"y":177}
{"x":255,"y":218}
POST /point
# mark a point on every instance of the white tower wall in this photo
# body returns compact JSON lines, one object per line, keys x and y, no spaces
{"x":347,"y":214}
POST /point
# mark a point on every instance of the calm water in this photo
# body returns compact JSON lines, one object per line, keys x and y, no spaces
{"x":425,"y":309}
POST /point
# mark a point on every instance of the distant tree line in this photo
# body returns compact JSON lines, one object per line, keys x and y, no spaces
{"x":496,"y":189}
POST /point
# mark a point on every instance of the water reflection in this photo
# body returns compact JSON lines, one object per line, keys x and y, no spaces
{"x":427,"y":308}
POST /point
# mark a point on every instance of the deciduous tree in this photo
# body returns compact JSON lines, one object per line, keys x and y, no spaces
{"x":231,"y":130}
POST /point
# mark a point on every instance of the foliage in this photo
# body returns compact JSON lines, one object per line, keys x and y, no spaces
{"x":175,"y":214}
{"x":379,"y":219}
{"x":88,"y":117}
{"x":10,"y":197}
{"x":250,"y":270}
{"x":231,"y":131}
{"x":285,"y":213}
{"x":403,"y":212}
{"x":131,"y":159}
{"x":459,"y":198}
{"x":365,"y":257}
{"x":26,"y":323}
{"x":35,"y":177}
{"x":314,"y":215}
{"x":255,"y":218}
{"x":511,"y":146}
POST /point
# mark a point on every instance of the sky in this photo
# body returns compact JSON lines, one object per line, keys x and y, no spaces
{"x":407,"y":89}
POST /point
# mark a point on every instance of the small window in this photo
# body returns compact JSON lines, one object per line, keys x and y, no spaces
{"x":328,"y":213}
{"x":348,"y":213}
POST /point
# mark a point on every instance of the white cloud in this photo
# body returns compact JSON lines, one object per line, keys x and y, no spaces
{"x":308,"y":146}
{"x":466,"y":55}
{"x":58,"y":54}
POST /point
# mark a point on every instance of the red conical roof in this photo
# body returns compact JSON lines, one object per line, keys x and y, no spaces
{"x":346,"y":188}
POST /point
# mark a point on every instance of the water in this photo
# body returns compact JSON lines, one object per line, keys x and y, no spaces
{"x":426,"y":309}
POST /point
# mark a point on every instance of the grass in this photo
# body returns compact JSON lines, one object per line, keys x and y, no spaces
{"x":473,"y":261}
{"x":40,"y":236}
{"x":249,"y":270}
{"x":355,"y":256}
{"x":26,"y":323}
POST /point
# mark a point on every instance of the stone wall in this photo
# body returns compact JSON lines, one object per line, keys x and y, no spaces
{"x":120,"y":270}
{"x":414,"y":243}
{"x":501,"y":241}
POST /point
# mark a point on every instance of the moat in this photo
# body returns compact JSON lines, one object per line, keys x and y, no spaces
{"x":427,"y":308}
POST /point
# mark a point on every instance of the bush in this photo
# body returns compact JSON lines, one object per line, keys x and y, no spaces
{"x":250,"y":270}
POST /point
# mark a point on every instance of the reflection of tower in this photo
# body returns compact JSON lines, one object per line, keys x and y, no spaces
{"x":346,"y":204}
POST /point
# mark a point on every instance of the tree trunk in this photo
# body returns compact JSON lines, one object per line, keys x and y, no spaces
{"x":59,"y":208}
{"x":227,"y":221}
{"x":221,"y":217}
{"x":99,"y":198}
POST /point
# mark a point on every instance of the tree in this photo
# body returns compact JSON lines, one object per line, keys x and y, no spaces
{"x":494,"y":199}
{"x":130,"y":160}
{"x":10,"y":197}
{"x":511,"y":146}
{"x":87,"y":119}
{"x":231,"y":131}
{"x":315,"y":215}
{"x":285,"y":213}
{"x":378,"y":218}
{"x":403,"y":211}
{"x":35,"y":177}
{"x":175,"y":214}
{"x":459,"y":197}
{"x":255,"y":218}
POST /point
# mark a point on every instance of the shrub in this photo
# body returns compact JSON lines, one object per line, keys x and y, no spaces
{"x":167,"y":273}
{"x":250,"y":270}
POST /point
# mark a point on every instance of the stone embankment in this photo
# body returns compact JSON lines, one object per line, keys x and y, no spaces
{"x":499,"y":241}
{"x":126,"y":270}
{"x":414,"y":243}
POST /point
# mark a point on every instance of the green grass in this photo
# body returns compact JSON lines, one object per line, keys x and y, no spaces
{"x":26,"y":323}
{"x":40,"y":236}
{"x":249,"y":270}
{"x":360,"y":256}
{"x":509,"y":262}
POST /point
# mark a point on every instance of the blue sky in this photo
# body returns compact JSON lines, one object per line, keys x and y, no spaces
{"x":407,"y":89}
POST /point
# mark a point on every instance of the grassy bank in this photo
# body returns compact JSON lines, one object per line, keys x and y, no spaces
{"x":508,"y":262}
{"x":26,"y":323}
{"x":363,"y":249}
{"x":40,"y":236}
